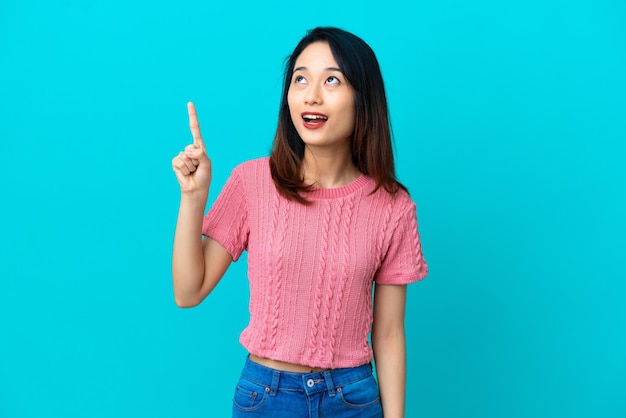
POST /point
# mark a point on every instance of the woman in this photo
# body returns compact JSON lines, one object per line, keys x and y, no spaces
{"x":323,"y":219}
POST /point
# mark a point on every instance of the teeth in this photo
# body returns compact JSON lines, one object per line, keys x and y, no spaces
{"x":314,"y":117}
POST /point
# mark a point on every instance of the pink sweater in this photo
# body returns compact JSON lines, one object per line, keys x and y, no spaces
{"x":311,"y":268}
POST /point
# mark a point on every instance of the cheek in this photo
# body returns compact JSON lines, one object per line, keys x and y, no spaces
{"x":347,"y":105}
{"x":350,"y":118}
{"x":352,"y":112}
{"x":291,"y":102}
{"x":292,"y":112}
{"x":349,"y":111}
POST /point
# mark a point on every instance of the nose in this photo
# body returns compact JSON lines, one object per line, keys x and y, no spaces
{"x":313,"y":95}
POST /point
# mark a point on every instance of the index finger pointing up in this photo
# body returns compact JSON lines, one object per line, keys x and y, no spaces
{"x":194,"y":126}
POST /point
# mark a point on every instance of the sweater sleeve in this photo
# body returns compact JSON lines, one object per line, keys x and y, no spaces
{"x":227,"y":220}
{"x":404,"y":262}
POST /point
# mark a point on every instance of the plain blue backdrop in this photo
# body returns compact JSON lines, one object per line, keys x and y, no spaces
{"x":509,"y":122}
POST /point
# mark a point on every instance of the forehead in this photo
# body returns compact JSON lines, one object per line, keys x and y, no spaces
{"x":316,"y":55}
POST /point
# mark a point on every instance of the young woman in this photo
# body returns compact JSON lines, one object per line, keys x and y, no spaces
{"x":324,"y":221}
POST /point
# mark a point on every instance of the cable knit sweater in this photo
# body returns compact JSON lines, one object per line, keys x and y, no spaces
{"x":311,"y":268}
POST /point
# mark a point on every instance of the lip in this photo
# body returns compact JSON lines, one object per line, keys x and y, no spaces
{"x":314,"y":113}
{"x":315,"y":125}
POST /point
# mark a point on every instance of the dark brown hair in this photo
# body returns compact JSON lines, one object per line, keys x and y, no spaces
{"x":371,"y":145}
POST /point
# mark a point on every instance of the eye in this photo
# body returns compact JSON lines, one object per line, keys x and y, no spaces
{"x":299,"y":79}
{"x":332,"y":80}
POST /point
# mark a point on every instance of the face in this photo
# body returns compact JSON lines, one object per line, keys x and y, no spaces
{"x":321,"y":102}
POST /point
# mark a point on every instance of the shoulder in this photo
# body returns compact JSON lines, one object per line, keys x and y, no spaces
{"x":255,"y":168}
{"x":253,"y":177}
{"x":398,"y":202}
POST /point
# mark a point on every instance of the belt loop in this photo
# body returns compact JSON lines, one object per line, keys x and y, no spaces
{"x":329,"y":383}
{"x":274,"y":384}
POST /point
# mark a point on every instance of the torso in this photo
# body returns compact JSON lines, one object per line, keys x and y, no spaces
{"x":311,"y":267}
{"x":284,"y":366}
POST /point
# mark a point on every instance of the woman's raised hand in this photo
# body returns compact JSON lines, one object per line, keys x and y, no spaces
{"x":192,"y":166}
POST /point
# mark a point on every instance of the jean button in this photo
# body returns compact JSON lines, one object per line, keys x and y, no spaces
{"x":310,"y":383}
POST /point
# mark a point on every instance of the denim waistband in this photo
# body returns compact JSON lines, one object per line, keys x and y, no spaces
{"x":312,"y":382}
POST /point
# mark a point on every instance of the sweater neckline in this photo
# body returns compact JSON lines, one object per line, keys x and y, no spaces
{"x":338,"y":192}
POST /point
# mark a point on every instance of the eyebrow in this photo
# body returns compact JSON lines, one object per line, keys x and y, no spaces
{"x":325,"y":69}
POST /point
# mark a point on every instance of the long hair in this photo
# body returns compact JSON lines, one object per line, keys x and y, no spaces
{"x":371,"y":146}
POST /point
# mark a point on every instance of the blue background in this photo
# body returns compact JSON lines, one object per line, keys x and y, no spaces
{"x":509,"y":120}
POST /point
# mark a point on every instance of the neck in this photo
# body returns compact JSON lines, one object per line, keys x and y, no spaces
{"x":328,"y":169}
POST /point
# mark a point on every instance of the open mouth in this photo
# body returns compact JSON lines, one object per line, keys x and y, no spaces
{"x":314,"y":119}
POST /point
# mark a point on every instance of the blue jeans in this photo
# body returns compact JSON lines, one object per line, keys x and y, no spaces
{"x":265,"y":392}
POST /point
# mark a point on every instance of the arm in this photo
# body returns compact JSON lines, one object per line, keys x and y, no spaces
{"x":388,"y":342}
{"x":197,"y":265}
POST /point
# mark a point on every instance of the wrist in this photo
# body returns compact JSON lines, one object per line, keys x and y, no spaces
{"x":194,"y":198}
